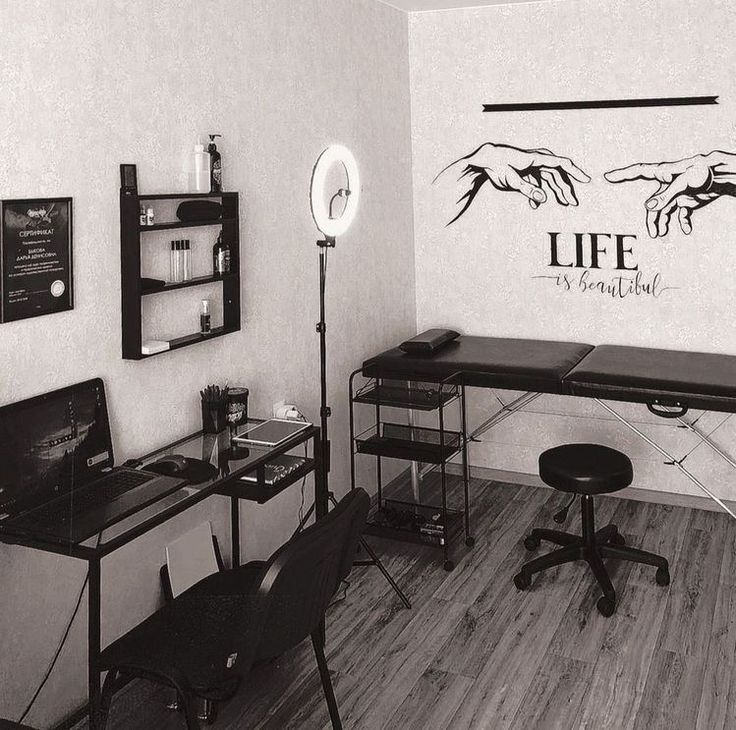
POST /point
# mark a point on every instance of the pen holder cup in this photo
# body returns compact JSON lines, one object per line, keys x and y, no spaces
{"x":214,"y":417}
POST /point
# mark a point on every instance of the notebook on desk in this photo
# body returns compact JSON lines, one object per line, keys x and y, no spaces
{"x":58,"y":479}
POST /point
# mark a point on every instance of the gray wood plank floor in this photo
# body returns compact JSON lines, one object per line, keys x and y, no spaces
{"x":476,"y":653}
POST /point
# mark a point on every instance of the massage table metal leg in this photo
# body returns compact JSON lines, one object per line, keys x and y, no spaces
{"x":501,"y":415}
{"x":669,"y":456}
{"x":706,"y":439}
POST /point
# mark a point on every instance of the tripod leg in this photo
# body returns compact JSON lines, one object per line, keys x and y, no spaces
{"x":377,"y":562}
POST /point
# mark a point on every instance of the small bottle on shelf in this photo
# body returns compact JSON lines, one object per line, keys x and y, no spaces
{"x":143,"y":218}
{"x":150,"y":219}
{"x":200,"y":169}
{"x":215,"y":165}
{"x":177,"y":261}
{"x":172,"y":262}
{"x":187,"y":268}
{"x":205,"y":322}
{"x":220,"y":258}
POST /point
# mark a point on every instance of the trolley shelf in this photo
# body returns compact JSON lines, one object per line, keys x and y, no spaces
{"x":412,"y":443}
{"x":400,"y":395}
{"x":409,"y":522}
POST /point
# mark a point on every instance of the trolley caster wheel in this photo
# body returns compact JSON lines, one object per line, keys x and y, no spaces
{"x":618,"y":539}
{"x":531,"y":542}
{"x":449,"y":565}
{"x":470,"y":541}
{"x":662,"y":577}
{"x":606,"y":606}
{"x":522,"y":581}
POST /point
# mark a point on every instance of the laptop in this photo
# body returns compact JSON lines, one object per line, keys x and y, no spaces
{"x":57,"y":474}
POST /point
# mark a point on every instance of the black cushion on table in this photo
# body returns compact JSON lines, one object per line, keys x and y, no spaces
{"x":429,"y":341}
{"x":644,"y":375}
{"x":487,"y":362}
{"x":585,"y":469}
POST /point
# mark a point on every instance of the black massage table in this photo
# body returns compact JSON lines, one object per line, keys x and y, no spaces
{"x":668,"y":382}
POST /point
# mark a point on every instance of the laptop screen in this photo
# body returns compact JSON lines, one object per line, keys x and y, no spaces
{"x":52,"y":443}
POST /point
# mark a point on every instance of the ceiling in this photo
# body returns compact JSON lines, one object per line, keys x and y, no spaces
{"x":426,"y":5}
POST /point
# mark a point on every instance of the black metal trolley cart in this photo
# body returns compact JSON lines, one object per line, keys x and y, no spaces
{"x":417,"y":522}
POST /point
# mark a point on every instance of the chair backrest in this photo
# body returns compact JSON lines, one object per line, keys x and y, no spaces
{"x":303,"y":575}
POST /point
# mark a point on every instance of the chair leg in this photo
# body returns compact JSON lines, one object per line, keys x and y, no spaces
{"x":555,"y":536}
{"x":564,"y":555}
{"x":189,"y":707}
{"x":324,"y":674}
{"x":601,"y":574}
{"x":634,"y":555}
{"x":108,"y":691}
{"x":606,"y":534}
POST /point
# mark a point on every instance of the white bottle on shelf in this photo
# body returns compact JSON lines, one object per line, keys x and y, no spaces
{"x":201,"y":169}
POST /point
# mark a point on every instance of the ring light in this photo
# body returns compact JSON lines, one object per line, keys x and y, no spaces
{"x":333,"y":227}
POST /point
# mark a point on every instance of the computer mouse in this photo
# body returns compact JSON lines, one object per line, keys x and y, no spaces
{"x":171,"y":465}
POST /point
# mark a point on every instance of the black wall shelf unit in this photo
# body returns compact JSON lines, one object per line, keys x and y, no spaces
{"x":416,"y":522}
{"x":133,"y":235}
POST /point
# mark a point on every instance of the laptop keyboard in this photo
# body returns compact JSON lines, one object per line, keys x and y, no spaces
{"x":97,"y":494}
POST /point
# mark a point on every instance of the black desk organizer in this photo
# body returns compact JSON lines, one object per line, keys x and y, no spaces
{"x":131,"y":234}
{"x":434,"y":525}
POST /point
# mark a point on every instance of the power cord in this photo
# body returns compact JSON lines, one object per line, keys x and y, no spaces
{"x":62,"y":643}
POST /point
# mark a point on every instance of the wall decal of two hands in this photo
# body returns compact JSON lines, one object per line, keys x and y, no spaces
{"x":539,"y":175}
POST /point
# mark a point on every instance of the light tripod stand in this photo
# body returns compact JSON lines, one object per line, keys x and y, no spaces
{"x":331,"y":227}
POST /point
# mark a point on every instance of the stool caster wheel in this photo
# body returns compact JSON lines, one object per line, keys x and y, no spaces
{"x":470,"y":541}
{"x":606,"y":606}
{"x":449,"y":565}
{"x":618,"y":539}
{"x":662,"y":577}
{"x":531,"y":542}
{"x":522,"y":581}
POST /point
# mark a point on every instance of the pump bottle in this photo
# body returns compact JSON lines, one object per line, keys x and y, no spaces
{"x":215,"y":165}
{"x":200,"y":169}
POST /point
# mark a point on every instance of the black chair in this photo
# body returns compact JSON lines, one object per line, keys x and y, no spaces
{"x":11,"y":725}
{"x":206,"y":639}
{"x":587,"y":469}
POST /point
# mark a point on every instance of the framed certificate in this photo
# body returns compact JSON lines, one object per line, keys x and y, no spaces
{"x":35,"y":257}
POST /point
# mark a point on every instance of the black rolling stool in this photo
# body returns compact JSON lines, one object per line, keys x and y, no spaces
{"x":587,"y":469}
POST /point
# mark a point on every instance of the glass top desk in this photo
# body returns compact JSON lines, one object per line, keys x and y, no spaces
{"x":230,"y":464}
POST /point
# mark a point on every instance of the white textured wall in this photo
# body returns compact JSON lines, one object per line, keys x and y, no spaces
{"x":477,"y":274}
{"x":88,"y":85}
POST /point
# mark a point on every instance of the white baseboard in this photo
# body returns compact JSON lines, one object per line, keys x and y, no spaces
{"x":641,"y":495}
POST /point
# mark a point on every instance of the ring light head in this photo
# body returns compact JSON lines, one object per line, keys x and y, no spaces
{"x":333,"y":227}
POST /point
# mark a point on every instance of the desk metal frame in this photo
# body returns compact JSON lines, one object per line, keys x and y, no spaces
{"x":94,"y":555}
